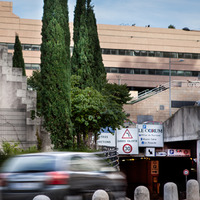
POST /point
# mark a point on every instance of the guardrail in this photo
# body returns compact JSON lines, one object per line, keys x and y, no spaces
{"x":109,"y":154}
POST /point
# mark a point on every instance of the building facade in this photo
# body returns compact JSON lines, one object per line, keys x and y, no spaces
{"x":136,"y":56}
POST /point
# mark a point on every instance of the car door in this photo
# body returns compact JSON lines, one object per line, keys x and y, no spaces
{"x":85,"y":174}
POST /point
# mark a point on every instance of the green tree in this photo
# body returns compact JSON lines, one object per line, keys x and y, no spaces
{"x":97,"y":66}
{"x":55,"y":73}
{"x":91,"y":110}
{"x":78,"y":12}
{"x":171,"y":26}
{"x":18,"y":60}
{"x":87,"y":59}
{"x":34,"y":82}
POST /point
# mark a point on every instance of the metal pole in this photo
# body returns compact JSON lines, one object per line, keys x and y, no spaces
{"x":170,"y":87}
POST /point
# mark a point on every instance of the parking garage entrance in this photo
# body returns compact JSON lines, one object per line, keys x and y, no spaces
{"x":142,"y":171}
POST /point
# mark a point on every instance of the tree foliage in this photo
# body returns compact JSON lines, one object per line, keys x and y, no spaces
{"x":55,"y":73}
{"x":92,"y":110}
{"x":18,"y":60}
{"x":34,"y":82}
{"x":87,"y":59}
{"x":171,"y":26}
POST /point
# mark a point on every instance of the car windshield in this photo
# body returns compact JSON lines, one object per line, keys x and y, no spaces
{"x":34,"y":163}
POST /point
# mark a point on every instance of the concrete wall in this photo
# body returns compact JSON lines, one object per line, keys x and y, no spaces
{"x":16,"y":104}
{"x":183,"y":125}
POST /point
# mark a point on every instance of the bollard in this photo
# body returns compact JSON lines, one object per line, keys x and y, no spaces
{"x":141,"y":193}
{"x":192,"y":190}
{"x":41,"y":197}
{"x":100,"y":195}
{"x":170,"y":191}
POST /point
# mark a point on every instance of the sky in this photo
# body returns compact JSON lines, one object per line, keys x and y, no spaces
{"x":156,"y":13}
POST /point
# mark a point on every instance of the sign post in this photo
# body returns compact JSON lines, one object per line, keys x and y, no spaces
{"x":186,"y":173}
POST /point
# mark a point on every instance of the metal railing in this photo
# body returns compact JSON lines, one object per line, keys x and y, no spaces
{"x":148,"y":93}
{"x":109,"y":154}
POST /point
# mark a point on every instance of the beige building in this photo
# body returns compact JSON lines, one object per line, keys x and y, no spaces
{"x":141,"y":57}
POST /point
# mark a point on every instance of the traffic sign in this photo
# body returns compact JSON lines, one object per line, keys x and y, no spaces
{"x":186,"y":172}
{"x":127,"y":141}
{"x":127,"y":148}
{"x":127,"y":135}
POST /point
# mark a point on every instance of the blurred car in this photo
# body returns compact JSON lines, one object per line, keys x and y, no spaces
{"x":60,"y":176}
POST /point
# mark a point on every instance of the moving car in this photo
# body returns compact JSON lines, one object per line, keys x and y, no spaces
{"x":60,"y":176}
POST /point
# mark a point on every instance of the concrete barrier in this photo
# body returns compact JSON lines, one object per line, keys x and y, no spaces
{"x":141,"y":193}
{"x":100,"y":195}
{"x":41,"y":197}
{"x":170,"y":191}
{"x":192,"y":190}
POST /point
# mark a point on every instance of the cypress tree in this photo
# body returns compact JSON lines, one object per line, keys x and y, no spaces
{"x":55,"y":73}
{"x":18,"y":60}
{"x":87,"y":59}
{"x":98,"y":69}
{"x":79,"y":13}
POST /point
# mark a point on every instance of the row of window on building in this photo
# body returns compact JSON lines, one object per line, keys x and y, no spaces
{"x":162,"y":54}
{"x":32,"y":66}
{"x":33,"y":47}
{"x":160,"y":72}
{"x":26,"y":47}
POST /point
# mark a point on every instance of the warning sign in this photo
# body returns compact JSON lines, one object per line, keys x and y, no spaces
{"x":127,"y":141}
{"x":127,"y":135}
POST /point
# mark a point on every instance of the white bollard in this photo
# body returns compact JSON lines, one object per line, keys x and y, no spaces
{"x":100,"y":195}
{"x":41,"y":197}
{"x":170,"y":191}
{"x":141,"y":193}
{"x":192,"y":190}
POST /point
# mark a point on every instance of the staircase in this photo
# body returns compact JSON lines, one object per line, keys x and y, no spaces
{"x":148,"y":93}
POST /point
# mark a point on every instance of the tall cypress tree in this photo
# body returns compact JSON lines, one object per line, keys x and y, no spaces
{"x":98,"y":69}
{"x":55,"y":73}
{"x":18,"y":60}
{"x":86,"y":59}
{"x":79,"y":13}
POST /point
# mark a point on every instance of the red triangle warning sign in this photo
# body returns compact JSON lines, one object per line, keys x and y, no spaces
{"x":127,"y":135}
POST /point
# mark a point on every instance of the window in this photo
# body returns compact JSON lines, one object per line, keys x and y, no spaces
{"x":151,"y":53}
{"x":162,"y":107}
{"x":159,"y":54}
{"x":166,"y":54}
{"x":180,"y":73}
{"x":144,"y":71}
{"x":143,"y":53}
{"x":35,"y":48}
{"x":152,"y":71}
{"x":174,"y":55}
{"x":27,"y":47}
{"x":165,"y":72}
{"x":137,"y":53}
{"x":195,"y":55}
{"x":106,"y":51}
{"x":122,"y":70}
{"x":114,"y":51}
{"x":114,"y":70}
{"x":187,"y":55}
{"x":10,"y":46}
{"x":129,"y":71}
{"x":107,"y":69}
{"x":180,"y":55}
{"x":121,"y":52}
{"x":173,"y":72}
{"x":188,"y":73}
{"x":137,"y":71}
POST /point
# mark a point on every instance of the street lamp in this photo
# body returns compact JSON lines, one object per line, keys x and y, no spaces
{"x":170,"y":85}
